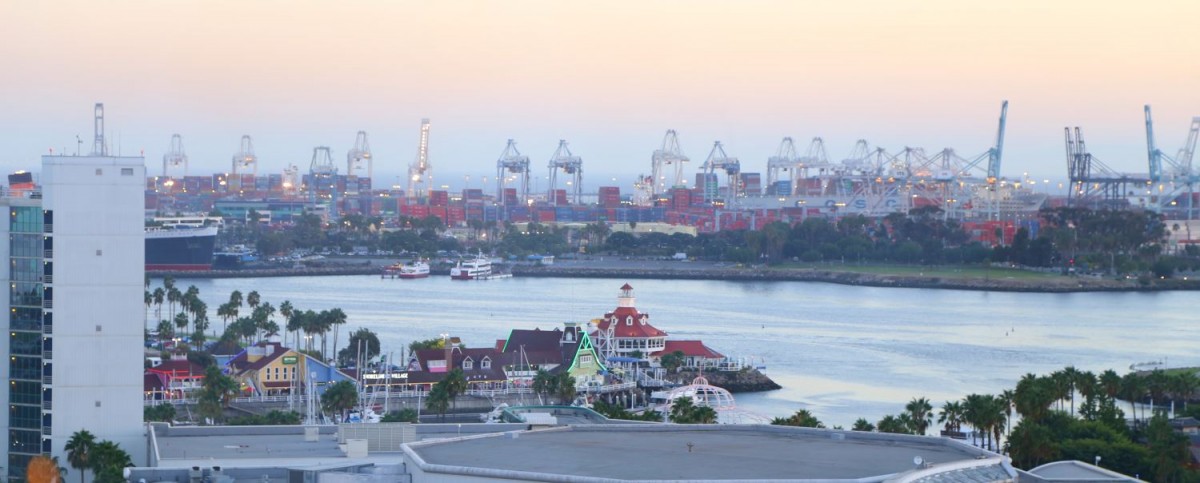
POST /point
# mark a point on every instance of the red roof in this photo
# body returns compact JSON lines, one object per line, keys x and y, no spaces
{"x":690,"y":348}
{"x":626,"y":287}
{"x":151,"y":382}
{"x":241,"y":364}
{"x":176,"y":368}
{"x":640,"y":327}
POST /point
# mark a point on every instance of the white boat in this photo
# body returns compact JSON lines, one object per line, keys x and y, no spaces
{"x":478,"y":268}
{"x":414,"y":269}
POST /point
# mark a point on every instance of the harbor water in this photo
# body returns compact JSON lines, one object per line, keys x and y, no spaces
{"x":842,"y":352}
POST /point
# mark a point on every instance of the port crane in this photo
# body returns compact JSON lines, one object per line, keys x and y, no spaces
{"x":670,"y":154}
{"x":512,"y":162}
{"x":786,"y":162}
{"x":717,"y":159}
{"x":175,"y":156}
{"x":1173,"y":174}
{"x":1093,"y":183}
{"x":420,"y":173}
{"x":359,"y":155}
{"x":291,"y":180}
{"x":245,"y":157}
{"x":569,"y":164}
{"x":321,"y":176}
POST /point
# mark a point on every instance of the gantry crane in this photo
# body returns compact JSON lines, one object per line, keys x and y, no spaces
{"x":420,"y":173}
{"x":786,"y":162}
{"x":359,"y":155}
{"x":321,"y":176}
{"x":717,"y":159}
{"x":245,"y":157}
{"x":175,"y":156}
{"x":669,"y":155}
{"x":570,"y":164}
{"x":291,"y":180}
{"x":1094,"y":184}
{"x":1173,"y":175}
{"x":513,"y":163}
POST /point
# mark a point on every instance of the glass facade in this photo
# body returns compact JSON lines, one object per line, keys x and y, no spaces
{"x":28,"y":341}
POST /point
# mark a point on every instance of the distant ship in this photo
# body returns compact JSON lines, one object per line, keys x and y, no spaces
{"x":414,"y":269}
{"x":180,"y":248}
{"x":479,"y":268}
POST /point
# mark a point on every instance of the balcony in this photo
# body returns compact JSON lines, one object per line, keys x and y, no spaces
{"x":49,"y":228}
{"x":48,"y":380}
{"x":47,"y":278}
{"x":46,"y":431}
{"x":47,"y":254}
{"x":47,"y":304}
{"x":47,"y":354}
{"x":48,"y":329}
{"x":46,"y":405}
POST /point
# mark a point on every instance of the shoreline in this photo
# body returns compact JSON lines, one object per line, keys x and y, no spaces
{"x":699,"y":272}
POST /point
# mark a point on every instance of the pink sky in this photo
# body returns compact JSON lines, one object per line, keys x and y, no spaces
{"x":608,"y":77}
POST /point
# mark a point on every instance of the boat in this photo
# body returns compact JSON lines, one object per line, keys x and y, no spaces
{"x":413,"y":269}
{"x":478,"y":268}
{"x":180,"y":247}
{"x":235,"y":256}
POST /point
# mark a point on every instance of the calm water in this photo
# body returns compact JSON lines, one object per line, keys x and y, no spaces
{"x":842,"y":352}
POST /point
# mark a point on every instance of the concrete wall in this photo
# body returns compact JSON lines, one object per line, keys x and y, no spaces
{"x":99,"y":260}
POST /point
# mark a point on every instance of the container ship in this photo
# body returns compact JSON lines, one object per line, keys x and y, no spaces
{"x":180,"y":247}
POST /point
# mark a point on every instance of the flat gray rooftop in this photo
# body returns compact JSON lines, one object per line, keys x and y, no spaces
{"x":718,"y":452}
{"x":247,"y":446}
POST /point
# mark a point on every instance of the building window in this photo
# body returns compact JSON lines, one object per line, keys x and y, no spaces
{"x":126,"y":171}
{"x":585,"y":360}
{"x":486,"y":363}
{"x":468,"y":364}
{"x":629,"y":320}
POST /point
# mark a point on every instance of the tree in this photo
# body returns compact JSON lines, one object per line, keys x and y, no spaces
{"x":673,"y":361}
{"x":684,"y":411}
{"x":455,"y":383}
{"x":337,"y":318}
{"x":370,"y":347}
{"x":861,"y":424}
{"x":438,"y":400}
{"x":892,"y":424}
{"x":43,"y":469}
{"x":951,"y":416}
{"x":564,"y":388}
{"x":1031,"y":444}
{"x":215,"y":393}
{"x":79,"y":451}
{"x":544,"y":383}
{"x":921,"y":413}
{"x":109,"y":462}
{"x":802,"y":418}
{"x":287,"y":311}
{"x":163,"y":413}
{"x":339,"y":398}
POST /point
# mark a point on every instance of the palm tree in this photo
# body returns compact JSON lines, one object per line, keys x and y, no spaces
{"x":861,"y":424}
{"x":544,"y":383}
{"x":181,"y":321}
{"x":1185,"y":384}
{"x":951,"y":416}
{"x":337,"y":318}
{"x":805,"y":419}
{"x":1133,"y":389}
{"x":1006,"y":401}
{"x":921,"y":413}
{"x":339,"y":398}
{"x":235,"y":299}
{"x":974,"y":413}
{"x":253,"y":299}
{"x":109,"y":462}
{"x":456,"y":385}
{"x":1070,"y":376}
{"x":160,"y":295}
{"x":173,"y":296}
{"x":286,"y":310}
{"x":565,"y":386}
{"x":891,"y":424}
{"x":79,"y":451}
{"x":438,"y":400}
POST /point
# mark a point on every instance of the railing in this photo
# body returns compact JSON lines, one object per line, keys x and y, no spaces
{"x":48,"y":380}
{"x":606,"y":388}
{"x":46,"y":431}
{"x":46,"y":405}
{"x":49,"y":227}
{"x":47,"y":278}
{"x":47,"y":253}
{"x":47,"y":354}
{"x":48,"y":329}
{"x":47,"y":304}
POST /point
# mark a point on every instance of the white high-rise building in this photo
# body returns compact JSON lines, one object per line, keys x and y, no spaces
{"x":76,"y":255}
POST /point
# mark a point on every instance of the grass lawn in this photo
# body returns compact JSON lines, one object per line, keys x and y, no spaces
{"x":962,"y":272}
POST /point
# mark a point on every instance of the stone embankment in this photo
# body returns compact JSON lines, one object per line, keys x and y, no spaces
{"x":1063,"y":284}
{"x":746,"y":380}
{"x":283,"y":272}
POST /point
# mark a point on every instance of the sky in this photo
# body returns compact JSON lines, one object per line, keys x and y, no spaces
{"x":608,"y":77}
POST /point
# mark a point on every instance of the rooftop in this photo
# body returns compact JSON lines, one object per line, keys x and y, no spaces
{"x":716,"y":452}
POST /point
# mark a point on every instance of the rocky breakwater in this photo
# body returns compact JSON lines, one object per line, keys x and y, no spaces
{"x":745,"y":380}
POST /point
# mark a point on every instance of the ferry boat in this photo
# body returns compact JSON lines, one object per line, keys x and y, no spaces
{"x":413,"y":269}
{"x":478,"y":268}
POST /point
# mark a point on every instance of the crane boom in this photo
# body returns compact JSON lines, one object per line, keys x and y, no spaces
{"x":998,"y":150}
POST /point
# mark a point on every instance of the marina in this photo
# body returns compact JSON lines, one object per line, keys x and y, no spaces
{"x":841,"y":351}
